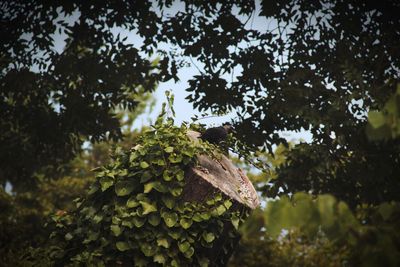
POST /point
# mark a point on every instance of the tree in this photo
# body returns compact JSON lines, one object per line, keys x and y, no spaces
{"x":51,"y":100}
{"x":321,"y":67}
{"x":322,"y":230}
{"x":25,"y":214}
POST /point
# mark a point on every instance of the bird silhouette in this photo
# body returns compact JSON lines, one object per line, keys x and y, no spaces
{"x":216,"y":135}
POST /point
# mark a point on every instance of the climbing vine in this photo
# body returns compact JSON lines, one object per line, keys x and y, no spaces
{"x":134,"y":214}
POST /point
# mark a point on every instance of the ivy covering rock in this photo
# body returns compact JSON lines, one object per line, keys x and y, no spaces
{"x":144,"y":209}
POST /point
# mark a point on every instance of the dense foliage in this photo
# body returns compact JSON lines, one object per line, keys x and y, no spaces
{"x":61,"y":78}
{"x":135,"y":213}
{"x":24,"y":214}
{"x":302,"y":230}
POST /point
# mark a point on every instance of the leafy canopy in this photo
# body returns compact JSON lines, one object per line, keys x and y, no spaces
{"x":63,"y":75}
{"x":319,"y":66}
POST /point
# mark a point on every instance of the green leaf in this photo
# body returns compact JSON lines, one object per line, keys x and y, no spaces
{"x":176,"y":191}
{"x":124,"y":188}
{"x":205,"y":215}
{"x":163,"y":242}
{"x":106,"y":182}
{"x":218,"y":197}
{"x":168,"y":200}
{"x":154,"y":219}
{"x":160,"y":187}
{"x":133,"y":156}
{"x":210,"y":202}
{"x":235,"y":222}
{"x":91,"y":236}
{"x":148,"y":207}
{"x":183,"y":246}
{"x":98,"y":218}
{"x":110,"y":174}
{"x":88,"y":211}
{"x":208,"y":237}
{"x":128,"y":223}
{"x":122,"y":246}
{"x":175,"y":233}
{"x":189,"y":253}
{"x":145,"y":176}
{"x":170,"y":218}
{"x":138,"y":222}
{"x":147,"y":249}
{"x":180,"y":175}
{"x":132,"y":203}
{"x":141,"y":196}
{"x":167,"y":176}
{"x":116,"y":229}
{"x":123,"y":172}
{"x":173,"y":158}
{"x":197,"y":217}
{"x":227,"y":204}
{"x":169,"y":149}
{"x":144,"y":165}
{"x":160,"y":258}
{"x":160,"y":162}
{"x":115,"y":220}
{"x":188,"y":152}
{"x":185,"y":223}
{"x":148,"y":187}
{"x":219,"y":210}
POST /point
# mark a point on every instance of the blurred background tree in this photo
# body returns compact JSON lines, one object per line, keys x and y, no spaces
{"x":304,"y":230}
{"x":24,"y":214}
{"x":64,"y":73}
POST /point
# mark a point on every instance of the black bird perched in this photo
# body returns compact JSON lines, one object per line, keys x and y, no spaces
{"x":216,"y":135}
